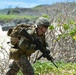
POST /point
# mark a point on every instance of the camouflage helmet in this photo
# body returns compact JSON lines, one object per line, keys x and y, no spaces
{"x":42,"y":22}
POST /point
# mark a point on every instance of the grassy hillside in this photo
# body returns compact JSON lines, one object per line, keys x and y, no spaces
{"x":69,"y":7}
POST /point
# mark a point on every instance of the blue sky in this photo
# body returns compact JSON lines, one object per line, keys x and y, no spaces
{"x":28,"y":3}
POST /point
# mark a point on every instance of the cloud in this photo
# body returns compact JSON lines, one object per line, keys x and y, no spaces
{"x":27,"y":3}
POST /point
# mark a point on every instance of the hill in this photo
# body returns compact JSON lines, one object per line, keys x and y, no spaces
{"x":53,"y":9}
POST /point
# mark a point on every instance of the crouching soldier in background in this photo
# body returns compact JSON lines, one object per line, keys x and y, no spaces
{"x":23,"y":47}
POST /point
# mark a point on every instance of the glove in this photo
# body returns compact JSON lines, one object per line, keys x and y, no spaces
{"x":46,"y":53}
{"x":38,"y":43}
{"x":49,"y":57}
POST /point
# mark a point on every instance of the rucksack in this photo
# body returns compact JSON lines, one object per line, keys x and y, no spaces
{"x":18,"y":40}
{"x":14,"y":33}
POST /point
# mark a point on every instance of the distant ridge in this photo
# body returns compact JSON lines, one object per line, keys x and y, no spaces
{"x":69,"y":7}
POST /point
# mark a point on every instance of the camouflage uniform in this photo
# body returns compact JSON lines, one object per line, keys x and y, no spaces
{"x":23,"y":64}
{"x":24,"y":49}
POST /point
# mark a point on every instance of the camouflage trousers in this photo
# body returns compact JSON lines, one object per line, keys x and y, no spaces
{"x":23,"y":64}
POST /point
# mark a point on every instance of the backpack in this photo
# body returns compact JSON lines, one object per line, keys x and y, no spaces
{"x":14,"y":33}
{"x":20,"y":41}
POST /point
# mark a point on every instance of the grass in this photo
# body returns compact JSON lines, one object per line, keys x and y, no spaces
{"x":15,"y":16}
{"x":47,"y":68}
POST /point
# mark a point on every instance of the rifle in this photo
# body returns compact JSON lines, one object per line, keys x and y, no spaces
{"x":39,"y":46}
{"x":48,"y":57}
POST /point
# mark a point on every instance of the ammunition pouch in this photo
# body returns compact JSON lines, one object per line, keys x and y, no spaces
{"x":15,"y":53}
{"x":23,"y":43}
{"x":14,"y":40}
{"x":26,"y":46}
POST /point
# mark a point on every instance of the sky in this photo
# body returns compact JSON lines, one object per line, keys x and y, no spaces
{"x":28,"y":3}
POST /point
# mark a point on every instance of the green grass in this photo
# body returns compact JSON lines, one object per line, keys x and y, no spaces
{"x":11,"y":17}
{"x":47,"y":68}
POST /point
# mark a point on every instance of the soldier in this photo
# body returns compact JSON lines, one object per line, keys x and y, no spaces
{"x":25,"y":48}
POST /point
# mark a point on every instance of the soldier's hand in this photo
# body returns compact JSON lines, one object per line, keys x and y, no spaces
{"x":38,"y":43}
